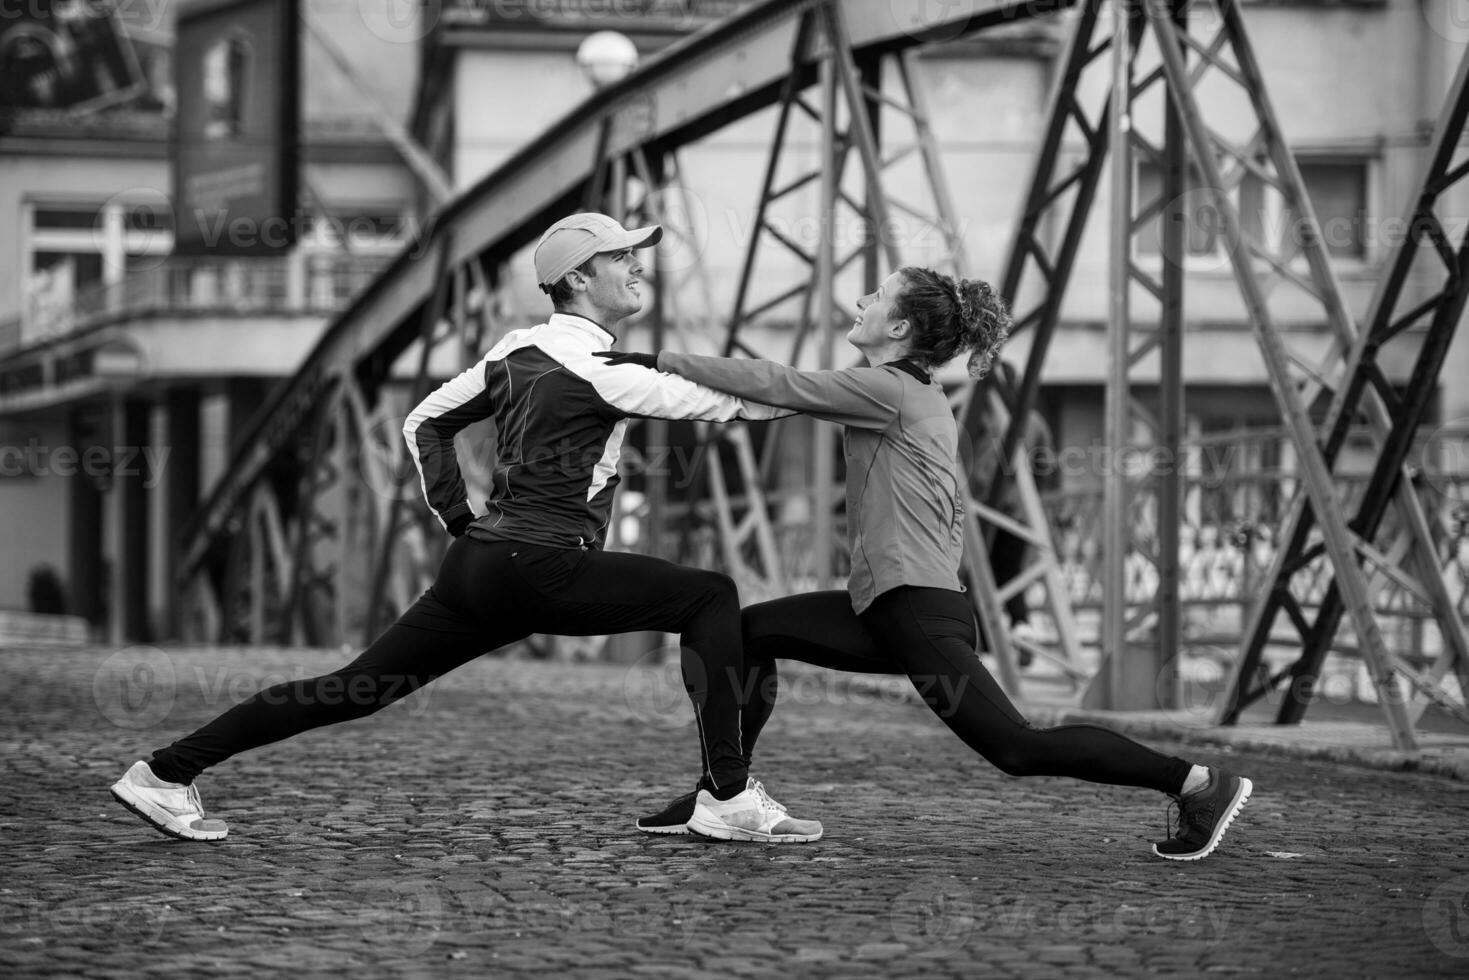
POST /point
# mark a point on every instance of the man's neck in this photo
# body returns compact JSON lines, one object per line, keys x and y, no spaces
{"x":601,"y":318}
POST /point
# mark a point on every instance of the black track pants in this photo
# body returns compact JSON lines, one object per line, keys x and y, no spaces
{"x":487,"y":595}
{"x":929,"y":635}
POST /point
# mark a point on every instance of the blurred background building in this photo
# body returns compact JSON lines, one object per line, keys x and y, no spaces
{"x":110,"y":343}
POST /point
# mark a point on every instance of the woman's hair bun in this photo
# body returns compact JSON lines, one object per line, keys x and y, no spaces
{"x":950,"y":316}
{"x":984,"y":321}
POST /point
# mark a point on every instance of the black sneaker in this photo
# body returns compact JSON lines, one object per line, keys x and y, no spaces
{"x":1204,"y":816}
{"x":672,"y":819}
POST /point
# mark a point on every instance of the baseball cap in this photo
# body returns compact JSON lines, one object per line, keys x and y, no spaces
{"x":574,"y":239}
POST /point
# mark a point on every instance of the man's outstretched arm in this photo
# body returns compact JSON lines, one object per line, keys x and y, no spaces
{"x":637,"y":390}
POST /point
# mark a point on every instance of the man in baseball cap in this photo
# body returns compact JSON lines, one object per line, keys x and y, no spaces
{"x":586,"y":264}
{"x":576,"y":238}
{"x":532,"y":559}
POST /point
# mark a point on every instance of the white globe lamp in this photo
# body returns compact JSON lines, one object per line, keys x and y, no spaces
{"x":606,"y":57}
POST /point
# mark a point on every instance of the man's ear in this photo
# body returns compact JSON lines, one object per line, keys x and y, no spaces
{"x":901,"y":329}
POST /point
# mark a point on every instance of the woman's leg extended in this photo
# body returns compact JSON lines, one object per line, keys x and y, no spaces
{"x":437,"y":634}
{"x":817,"y":628}
{"x":931,"y":633}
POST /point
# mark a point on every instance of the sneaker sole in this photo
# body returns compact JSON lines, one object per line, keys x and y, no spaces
{"x":150,"y":815}
{"x":1245,"y":789}
{"x":721,"y":831}
{"x":678,"y":828}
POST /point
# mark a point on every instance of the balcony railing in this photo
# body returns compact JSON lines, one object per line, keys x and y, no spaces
{"x":302,"y":282}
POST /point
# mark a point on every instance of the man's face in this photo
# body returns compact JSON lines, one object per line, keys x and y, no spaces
{"x":614,"y":289}
{"x":874,"y":310}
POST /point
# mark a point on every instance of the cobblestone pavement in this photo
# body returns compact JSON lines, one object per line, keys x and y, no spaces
{"x":483,"y":828}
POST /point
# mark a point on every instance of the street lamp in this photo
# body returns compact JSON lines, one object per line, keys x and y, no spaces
{"x":606,"y":57}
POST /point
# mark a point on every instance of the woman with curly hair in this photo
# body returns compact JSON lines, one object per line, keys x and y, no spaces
{"x":904,"y":610}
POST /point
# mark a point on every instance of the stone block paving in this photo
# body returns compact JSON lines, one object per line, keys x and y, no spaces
{"x":483,"y":828}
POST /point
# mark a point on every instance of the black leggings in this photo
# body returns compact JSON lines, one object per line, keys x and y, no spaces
{"x":488,"y":595}
{"x":929,"y":635}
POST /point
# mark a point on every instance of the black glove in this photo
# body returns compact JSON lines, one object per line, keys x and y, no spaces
{"x":461,"y":523}
{"x":649,"y":361}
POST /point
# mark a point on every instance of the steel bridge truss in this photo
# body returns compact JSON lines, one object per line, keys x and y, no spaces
{"x":278,"y":550}
{"x":270,"y":552}
{"x":1396,"y":317}
{"x":846,"y":107}
{"x":1185,"y":54}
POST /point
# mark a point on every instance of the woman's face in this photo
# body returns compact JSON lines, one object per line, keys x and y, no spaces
{"x":874,"y":312}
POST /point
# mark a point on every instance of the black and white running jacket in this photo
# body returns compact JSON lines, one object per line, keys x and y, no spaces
{"x":560,"y":414}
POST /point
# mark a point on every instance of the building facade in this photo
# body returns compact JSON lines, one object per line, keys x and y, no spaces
{"x":111,"y":344}
{"x":127,"y":370}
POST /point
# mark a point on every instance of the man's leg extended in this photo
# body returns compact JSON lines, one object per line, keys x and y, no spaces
{"x":426,"y":642}
{"x":816,"y":628}
{"x":437,"y":634}
{"x":586,"y":593}
{"x":591,"y":592}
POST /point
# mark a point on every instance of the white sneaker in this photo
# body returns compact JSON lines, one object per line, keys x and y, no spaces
{"x":752,"y":815}
{"x":172,"y":808}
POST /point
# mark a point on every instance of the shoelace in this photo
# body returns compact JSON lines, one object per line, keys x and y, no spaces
{"x":1197,"y":815}
{"x":193,"y":796}
{"x":1175,"y":806}
{"x":765,"y":801}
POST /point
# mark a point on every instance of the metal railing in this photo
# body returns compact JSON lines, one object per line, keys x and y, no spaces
{"x":1237,"y":492}
{"x":1238,"y":487}
{"x":300,"y":282}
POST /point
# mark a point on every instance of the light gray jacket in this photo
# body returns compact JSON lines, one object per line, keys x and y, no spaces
{"x":905,"y":508}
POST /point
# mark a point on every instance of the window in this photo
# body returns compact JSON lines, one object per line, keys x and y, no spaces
{"x":226,"y":81}
{"x":147,"y":218}
{"x":1337,"y":187}
{"x":75,"y":249}
{"x":1202,"y":235}
{"x":77,"y":270}
{"x":57,"y":218}
{"x":357,"y":229}
{"x":54,"y":281}
{"x":1338,"y":192}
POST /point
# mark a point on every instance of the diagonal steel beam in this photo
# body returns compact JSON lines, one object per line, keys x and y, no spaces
{"x":1340,"y":542}
{"x":1389,"y":482}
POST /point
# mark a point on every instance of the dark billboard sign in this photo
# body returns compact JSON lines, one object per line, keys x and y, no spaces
{"x":237,"y":74}
{"x":70,"y":55}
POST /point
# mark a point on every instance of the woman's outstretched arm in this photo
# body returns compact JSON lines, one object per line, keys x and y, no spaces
{"x":864,"y":397}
